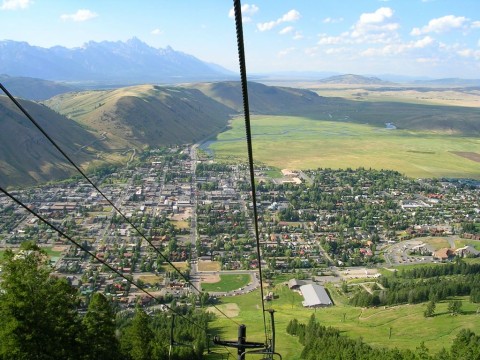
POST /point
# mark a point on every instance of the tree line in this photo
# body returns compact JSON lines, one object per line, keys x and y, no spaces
{"x":418,"y":285}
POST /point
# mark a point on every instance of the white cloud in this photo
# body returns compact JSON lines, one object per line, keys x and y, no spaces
{"x":285,"y":52}
{"x":442,"y":24}
{"x":475,"y":24}
{"x":80,"y":15}
{"x":298,"y":35}
{"x":469,"y":53}
{"x":291,"y":16}
{"x":398,"y":48}
{"x":423,"y":60}
{"x":157,"y":32}
{"x":333,"y":51}
{"x":247,"y":12}
{"x":375,"y":27}
{"x":266,"y":26}
{"x":376,"y":17}
{"x":15,"y":4}
{"x":329,"y":20}
{"x":312,"y":51}
{"x":331,"y":40}
{"x":427,"y":40}
{"x":286,"y":30}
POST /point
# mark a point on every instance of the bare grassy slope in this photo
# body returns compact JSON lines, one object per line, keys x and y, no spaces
{"x":146,"y":114}
{"x":26,"y":156}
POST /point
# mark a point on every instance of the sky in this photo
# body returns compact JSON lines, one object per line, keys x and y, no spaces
{"x":422,"y":38}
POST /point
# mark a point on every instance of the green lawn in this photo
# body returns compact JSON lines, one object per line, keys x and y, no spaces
{"x":409,"y":327}
{"x":302,"y":143}
{"x":464,"y":242}
{"x":53,"y":255}
{"x":227,"y":283}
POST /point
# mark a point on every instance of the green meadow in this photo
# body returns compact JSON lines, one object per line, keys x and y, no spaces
{"x":302,"y":143}
{"x":407,"y":323}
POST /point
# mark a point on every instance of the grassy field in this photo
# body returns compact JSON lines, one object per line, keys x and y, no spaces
{"x":453,"y":97}
{"x":150,"y":279}
{"x":409,"y":326}
{"x":180,"y":265}
{"x":181,"y":224}
{"x":437,"y":242}
{"x":52,"y":254}
{"x":302,"y":143}
{"x":464,"y":242}
{"x":227,"y":283}
{"x":209,"y":265}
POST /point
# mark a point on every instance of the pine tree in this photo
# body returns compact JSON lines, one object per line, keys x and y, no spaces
{"x":38,"y":312}
{"x":430,"y":310}
{"x":99,"y":324}
{"x":136,"y":343}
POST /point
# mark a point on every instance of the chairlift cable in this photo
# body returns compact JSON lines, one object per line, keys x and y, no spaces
{"x":243,"y":74}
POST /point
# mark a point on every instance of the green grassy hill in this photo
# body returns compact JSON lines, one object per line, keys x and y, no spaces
{"x":145,"y":115}
{"x":269,"y":100}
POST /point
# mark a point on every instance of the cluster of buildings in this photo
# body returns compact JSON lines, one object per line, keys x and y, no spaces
{"x":190,"y":207}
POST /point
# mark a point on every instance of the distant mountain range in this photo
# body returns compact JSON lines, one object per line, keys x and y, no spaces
{"x":117,"y":62}
{"x":351,"y":79}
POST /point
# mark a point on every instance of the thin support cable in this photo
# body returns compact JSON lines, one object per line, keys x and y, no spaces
{"x":81,"y":247}
{"x":243,"y":74}
{"x":27,"y":114}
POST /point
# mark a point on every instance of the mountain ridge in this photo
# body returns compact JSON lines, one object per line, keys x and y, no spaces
{"x":132,"y":61}
{"x":351,"y":79}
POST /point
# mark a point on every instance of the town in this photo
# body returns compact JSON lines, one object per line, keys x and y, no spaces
{"x":180,"y":207}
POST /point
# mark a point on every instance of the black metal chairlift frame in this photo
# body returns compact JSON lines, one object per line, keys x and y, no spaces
{"x":242,"y":345}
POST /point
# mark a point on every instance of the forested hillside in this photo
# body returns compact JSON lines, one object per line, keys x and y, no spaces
{"x":41,"y":319}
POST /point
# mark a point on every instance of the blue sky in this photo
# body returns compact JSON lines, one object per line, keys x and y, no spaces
{"x":434,"y":38}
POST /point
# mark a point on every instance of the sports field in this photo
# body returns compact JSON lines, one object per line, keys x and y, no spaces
{"x":227,"y":283}
{"x":302,"y":143}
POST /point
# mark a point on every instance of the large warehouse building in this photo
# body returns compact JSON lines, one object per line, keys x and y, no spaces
{"x":315,"y":296}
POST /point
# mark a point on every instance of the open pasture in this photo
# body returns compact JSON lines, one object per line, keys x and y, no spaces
{"x":302,"y":143}
{"x":404,"y":94}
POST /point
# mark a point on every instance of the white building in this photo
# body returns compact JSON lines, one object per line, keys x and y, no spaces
{"x":315,"y":296}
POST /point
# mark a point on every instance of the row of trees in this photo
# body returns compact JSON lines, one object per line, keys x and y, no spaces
{"x":327,"y":343}
{"x":40,"y":320}
{"x":424,"y":284}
